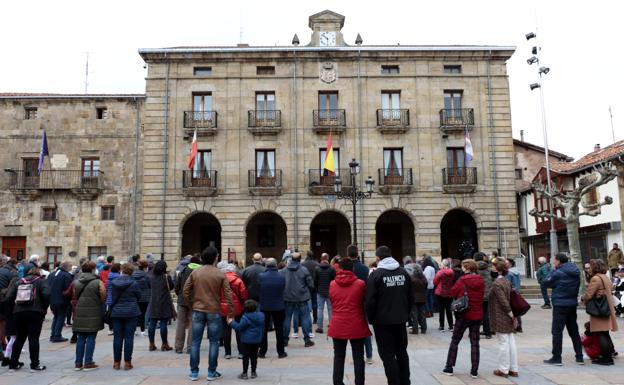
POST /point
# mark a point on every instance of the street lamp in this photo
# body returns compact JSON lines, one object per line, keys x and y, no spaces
{"x":539,"y":85}
{"x":354,"y":194}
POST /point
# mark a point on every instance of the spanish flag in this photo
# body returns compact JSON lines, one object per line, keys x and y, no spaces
{"x":329,"y":156}
{"x":193,"y":154}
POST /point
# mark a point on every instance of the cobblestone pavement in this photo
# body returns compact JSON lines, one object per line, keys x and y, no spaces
{"x":313,"y":365}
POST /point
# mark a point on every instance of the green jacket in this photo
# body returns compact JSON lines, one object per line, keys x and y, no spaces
{"x":543,"y":272}
{"x":615,"y":258}
{"x":90,"y":294}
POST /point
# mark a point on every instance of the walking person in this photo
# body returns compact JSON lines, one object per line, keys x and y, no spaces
{"x":202,"y":291}
{"x":30,"y":296}
{"x":443,"y":282}
{"x":161,"y":310}
{"x":251,"y":276}
{"x":250,"y":328}
{"x":503,"y":323}
{"x":388,"y":300}
{"x":348,"y":322}
{"x":565,"y":281}
{"x":90,"y":296}
{"x":272,"y":285}
{"x":125,"y":295}
{"x":239,"y":296}
{"x":140,"y":277}
{"x":185,"y":314}
{"x":361,"y":271}
{"x":324,"y":274}
{"x":419,"y":299}
{"x":470,"y":284}
{"x":600,"y":286}
{"x":486,"y":274}
{"x":542,"y":273}
{"x":59,"y":282}
{"x":296,"y":297}
{"x":615,"y":259}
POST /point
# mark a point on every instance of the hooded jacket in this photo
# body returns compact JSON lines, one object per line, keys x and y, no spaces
{"x":141,"y":278}
{"x":346,"y":294}
{"x":272,"y":285}
{"x":443,"y":282}
{"x":298,"y":282}
{"x":90,"y":294}
{"x":250,"y":277}
{"x":109,"y":288}
{"x":484,"y":272}
{"x":475,"y":287}
{"x":388,"y":294}
{"x":239,"y":294}
{"x":41,"y":291}
{"x":181,"y":280}
{"x":250,"y":327}
{"x":565,"y":282}
{"x":126,"y":292}
{"x":323,"y":275}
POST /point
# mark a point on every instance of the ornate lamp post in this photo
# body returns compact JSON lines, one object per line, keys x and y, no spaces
{"x":355,"y":193}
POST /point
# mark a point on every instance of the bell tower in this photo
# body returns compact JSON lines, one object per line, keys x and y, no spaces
{"x":326,"y":27}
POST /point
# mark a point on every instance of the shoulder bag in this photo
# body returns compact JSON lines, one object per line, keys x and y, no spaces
{"x":598,"y":306}
{"x":460,"y":305}
{"x":174,"y":313}
{"x":519,"y":305}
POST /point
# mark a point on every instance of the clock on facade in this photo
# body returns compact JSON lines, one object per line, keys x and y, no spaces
{"x":327,"y":39}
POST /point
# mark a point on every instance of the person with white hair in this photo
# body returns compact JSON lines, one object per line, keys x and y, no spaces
{"x":34,"y":259}
{"x":251,"y":276}
{"x":542,"y":272}
{"x":239,"y":296}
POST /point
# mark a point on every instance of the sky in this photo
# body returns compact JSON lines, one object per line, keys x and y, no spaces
{"x":45,"y":44}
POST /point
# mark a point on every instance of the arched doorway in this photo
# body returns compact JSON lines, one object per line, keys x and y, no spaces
{"x":330,"y":232}
{"x":200,"y":231}
{"x":266,"y":234}
{"x":458,"y":231}
{"x":395,"y":229}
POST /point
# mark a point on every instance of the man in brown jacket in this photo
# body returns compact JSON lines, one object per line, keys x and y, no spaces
{"x":203,"y":290}
{"x":615,"y":258}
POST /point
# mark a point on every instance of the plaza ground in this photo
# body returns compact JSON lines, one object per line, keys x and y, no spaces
{"x":313,"y":366}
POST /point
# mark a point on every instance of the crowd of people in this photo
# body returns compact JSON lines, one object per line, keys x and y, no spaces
{"x":134,"y":297}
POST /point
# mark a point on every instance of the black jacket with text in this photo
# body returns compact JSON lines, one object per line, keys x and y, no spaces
{"x":388,"y":294}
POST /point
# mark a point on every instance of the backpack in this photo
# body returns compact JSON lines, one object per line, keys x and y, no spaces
{"x":26,"y":292}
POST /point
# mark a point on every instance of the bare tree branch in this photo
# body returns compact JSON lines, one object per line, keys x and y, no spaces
{"x":555,"y":195}
{"x":592,"y":209}
{"x":602,"y":174}
{"x":545,"y":214}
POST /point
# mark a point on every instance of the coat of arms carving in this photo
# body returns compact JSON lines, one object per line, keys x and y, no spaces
{"x":328,"y":72}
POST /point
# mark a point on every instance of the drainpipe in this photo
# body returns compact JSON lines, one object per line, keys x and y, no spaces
{"x":294,"y":149}
{"x":360,"y":137}
{"x":136,"y":175}
{"x":166,"y":161}
{"x":493,"y":155}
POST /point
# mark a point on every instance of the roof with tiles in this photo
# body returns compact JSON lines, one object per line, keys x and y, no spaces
{"x":598,"y":156}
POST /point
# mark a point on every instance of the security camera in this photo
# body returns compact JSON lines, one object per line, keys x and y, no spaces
{"x":534,"y":86}
{"x":530,"y":35}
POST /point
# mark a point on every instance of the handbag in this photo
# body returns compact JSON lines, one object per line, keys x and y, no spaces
{"x":108,"y":314}
{"x":519,"y":305}
{"x":598,"y":306}
{"x":460,"y":305}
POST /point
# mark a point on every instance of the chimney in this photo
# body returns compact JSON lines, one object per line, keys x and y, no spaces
{"x":597,"y":147}
{"x":522,"y":135}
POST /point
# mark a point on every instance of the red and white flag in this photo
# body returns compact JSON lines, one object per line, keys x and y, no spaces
{"x":193,"y":154}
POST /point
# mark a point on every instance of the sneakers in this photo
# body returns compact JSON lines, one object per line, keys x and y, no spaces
{"x":283,"y":355}
{"x":579,"y":361}
{"x":448,"y":370}
{"x":441,"y":328}
{"x":38,"y":368}
{"x":474,"y":374}
{"x":227,"y":356}
{"x":243,"y":376}
{"x":500,"y":373}
{"x":89,"y":367}
{"x":59,"y":339}
{"x":144,"y":334}
{"x":110,"y":332}
{"x":553,"y":361}
{"x":213,"y":376}
{"x":369,"y":361}
{"x":253,"y":375}
{"x":194,"y":376}
{"x":240,"y":356}
{"x":309,"y":344}
{"x":319,"y":331}
{"x":311,"y":335}
{"x":78,"y":368}
{"x":295,"y":335}
{"x":544,"y":306}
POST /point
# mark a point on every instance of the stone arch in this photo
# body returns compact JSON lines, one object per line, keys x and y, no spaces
{"x":330,"y":232}
{"x":265,"y":233}
{"x":458,"y":234}
{"x":198,"y":230}
{"x":395,"y":228}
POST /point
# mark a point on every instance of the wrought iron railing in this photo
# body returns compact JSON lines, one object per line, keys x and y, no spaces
{"x":262,"y":178}
{"x":398,"y":117}
{"x":459,"y":176}
{"x":456,"y":117}
{"x":199,"y":179}
{"x":264,"y":118}
{"x":323,"y":177}
{"x":200,"y":119}
{"x":395,"y":176}
{"x":329,"y":118}
{"x":55,"y":180}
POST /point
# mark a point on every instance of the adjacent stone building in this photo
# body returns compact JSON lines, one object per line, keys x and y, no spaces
{"x":263,"y":117}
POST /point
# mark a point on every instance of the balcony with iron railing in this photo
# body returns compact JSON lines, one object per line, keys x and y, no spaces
{"x":263,"y":182}
{"x":459,"y":179}
{"x":393,"y":121}
{"x":261,"y":122}
{"x":199,"y":183}
{"x":326,"y":121}
{"x":28,"y":184}
{"x":456,"y":119}
{"x":205,"y":122}
{"x":395,"y":180}
{"x":321,"y":182}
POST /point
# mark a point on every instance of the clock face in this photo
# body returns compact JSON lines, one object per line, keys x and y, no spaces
{"x":327,"y":39}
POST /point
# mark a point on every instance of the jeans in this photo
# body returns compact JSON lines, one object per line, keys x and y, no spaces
{"x":357,"y":350}
{"x":417,"y":316}
{"x":321,"y":301}
{"x":300,"y":310}
{"x":28,"y":325}
{"x":460,"y":327}
{"x":565,"y":316}
{"x":429,"y":305}
{"x":58,"y":321}
{"x":392,"y":347}
{"x":151,"y":330}
{"x":368,"y":346}
{"x":123,"y":329}
{"x":213,"y":322}
{"x":314,"y":305}
{"x":507,"y":353}
{"x":545,"y":294}
{"x":277,"y":317}
{"x":85,"y":345}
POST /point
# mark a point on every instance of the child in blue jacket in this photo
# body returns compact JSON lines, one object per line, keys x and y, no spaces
{"x":251,"y":329}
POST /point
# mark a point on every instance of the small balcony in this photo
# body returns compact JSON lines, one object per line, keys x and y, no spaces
{"x":205,"y":122}
{"x":27,"y":185}
{"x":459,"y":180}
{"x":393,"y":121}
{"x":326,"y":121}
{"x":265,"y":183}
{"x":264,"y":122}
{"x":320,"y":182}
{"x":395,"y":181}
{"x":197,"y":183}
{"x":456,"y":119}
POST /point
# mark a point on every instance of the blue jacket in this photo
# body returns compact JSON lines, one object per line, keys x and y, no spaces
{"x":127,"y":306}
{"x":109,"y":287}
{"x":58,"y":282}
{"x":143,"y":281}
{"x":360,"y":270}
{"x":565,"y":282}
{"x":250,"y":327}
{"x":298,"y":282}
{"x":514,"y":278}
{"x":272,"y":285}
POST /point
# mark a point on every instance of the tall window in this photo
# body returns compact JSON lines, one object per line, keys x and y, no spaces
{"x":108,"y":213}
{"x":54,"y":254}
{"x":391,"y":104}
{"x":265,"y":105}
{"x":90,"y":167}
{"x":31,"y":176}
{"x":323,"y":155}
{"x":96,"y":251}
{"x":453,"y":105}
{"x":265,"y":163}
{"x":202,"y":106}
{"x":328,"y":104}
{"x":455,"y":157}
{"x":393,"y":161}
{"x":203,"y":164}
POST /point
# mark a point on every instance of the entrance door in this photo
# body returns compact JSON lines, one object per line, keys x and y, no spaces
{"x":14,"y":247}
{"x":395,"y":229}
{"x":391,"y":236}
{"x":31,"y":173}
{"x":323,"y":240}
{"x":330,"y":233}
{"x":200,"y":231}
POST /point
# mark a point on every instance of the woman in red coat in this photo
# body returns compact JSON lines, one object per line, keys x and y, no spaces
{"x":348,"y":322}
{"x":472,"y":284}
{"x":239,"y":296}
{"x":443,"y":282}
